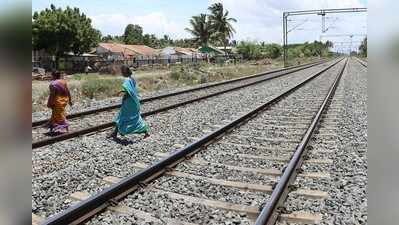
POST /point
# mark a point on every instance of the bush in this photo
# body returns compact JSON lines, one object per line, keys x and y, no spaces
{"x":249,"y":50}
{"x":101,"y":87}
{"x":77,"y":76}
{"x":175,"y":75}
{"x":272,"y":51}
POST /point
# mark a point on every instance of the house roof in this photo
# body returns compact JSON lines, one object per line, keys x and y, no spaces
{"x":117,"y":48}
{"x":227,"y":47}
{"x":178,"y":50}
{"x":187,"y":51}
{"x":83,"y":54}
{"x":142,"y":49}
{"x":210,"y":49}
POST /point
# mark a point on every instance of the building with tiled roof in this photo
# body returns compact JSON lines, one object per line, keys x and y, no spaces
{"x":118,"y":51}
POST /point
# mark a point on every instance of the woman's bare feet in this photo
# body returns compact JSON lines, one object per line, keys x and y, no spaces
{"x":114,"y":134}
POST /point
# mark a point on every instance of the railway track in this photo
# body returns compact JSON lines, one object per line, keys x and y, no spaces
{"x":254,"y":158}
{"x":363,"y":63}
{"x":151,"y":104}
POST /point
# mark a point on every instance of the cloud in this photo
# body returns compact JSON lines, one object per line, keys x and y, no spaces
{"x":153,"y":23}
{"x":262,"y":19}
{"x":258,"y":20}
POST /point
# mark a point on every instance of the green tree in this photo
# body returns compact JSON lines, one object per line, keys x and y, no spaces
{"x":107,"y":38}
{"x":200,"y":29}
{"x":329,"y":44}
{"x":166,"y":41}
{"x":147,"y":40}
{"x":221,"y":23}
{"x":363,"y":47}
{"x":58,"y":31}
{"x":133,"y":34}
{"x":249,"y":50}
{"x":272,"y":51}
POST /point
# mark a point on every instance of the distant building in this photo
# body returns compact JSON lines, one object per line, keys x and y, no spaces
{"x":81,"y":57}
{"x":116,"y":51}
{"x":177,"y":52}
{"x":211,"y":50}
{"x":229,"y":49}
{"x":142,"y":51}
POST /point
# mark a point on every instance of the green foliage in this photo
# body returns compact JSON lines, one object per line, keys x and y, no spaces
{"x":214,"y":28}
{"x":59,"y":31}
{"x":253,"y":50}
{"x":363,"y":48}
{"x":133,"y":34}
{"x":272,"y":51}
{"x":188,"y":75}
{"x":221,"y":23}
{"x":306,"y":49}
{"x":175,"y":75}
{"x":112,"y":39}
{"x":201,"y":29}
{"x":77,"y":77}
{"x":101,"y":87}
{"x":249,"y":50}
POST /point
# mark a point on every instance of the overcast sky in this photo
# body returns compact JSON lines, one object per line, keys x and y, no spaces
{"x":258,"y":20}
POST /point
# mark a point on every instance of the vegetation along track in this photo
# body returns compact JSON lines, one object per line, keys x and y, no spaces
{"x":151,"y":104}
{"x":228,"y":173}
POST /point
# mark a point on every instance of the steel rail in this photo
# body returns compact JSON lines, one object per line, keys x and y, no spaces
{"x":115,"y":106}
{"x":363,"y":63}
{"x":86,"y":209}
{"x":48,"y":141}
{"x":269,"y":213}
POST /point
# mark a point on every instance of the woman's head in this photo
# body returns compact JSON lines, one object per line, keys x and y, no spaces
{"x":125,"y":70}
{"x":56,"y":75}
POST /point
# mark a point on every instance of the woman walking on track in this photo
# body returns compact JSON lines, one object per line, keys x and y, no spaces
{"x":58,"y":99}
{"x":129,"y":119}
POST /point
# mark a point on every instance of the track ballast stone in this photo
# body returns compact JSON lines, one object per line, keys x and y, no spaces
{"x":347,"y":187}
{"x":80,"y":164}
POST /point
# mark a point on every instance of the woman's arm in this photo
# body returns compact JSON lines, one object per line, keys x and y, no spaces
{"x":69,"y":94}
{"x":50,"y":101}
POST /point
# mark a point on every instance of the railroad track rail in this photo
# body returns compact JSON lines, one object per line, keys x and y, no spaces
{"x":201,"y":173}
{"x":363,"y":63}
{"x":149,"y":99}
{"x":151,"y":104}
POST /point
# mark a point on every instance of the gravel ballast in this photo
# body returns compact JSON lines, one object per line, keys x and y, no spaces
{"x":347,"y":187}
{"x":81,"y":163}
{"x":195,"y":188}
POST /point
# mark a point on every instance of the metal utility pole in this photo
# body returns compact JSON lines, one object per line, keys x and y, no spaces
{"x":323,"y":21}
{"x":285,"y":38}
{"x":321,"y":12}
{"x":350,"y":47}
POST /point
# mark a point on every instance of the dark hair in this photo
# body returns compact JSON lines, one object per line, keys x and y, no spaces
{"x":56,"y":74}
{"x":125,"y":70}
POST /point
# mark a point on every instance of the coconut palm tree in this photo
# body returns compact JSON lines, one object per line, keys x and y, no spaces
{"x":200,"y":29}
{"x":221,"y":23}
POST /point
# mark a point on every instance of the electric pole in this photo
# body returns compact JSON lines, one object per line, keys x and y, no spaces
{"x":321,"y":12}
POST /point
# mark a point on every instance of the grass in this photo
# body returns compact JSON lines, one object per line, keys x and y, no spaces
{"x":100,"y":88}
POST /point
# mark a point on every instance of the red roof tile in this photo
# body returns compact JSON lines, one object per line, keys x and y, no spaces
{"x":118,"y":48}
{"x":142,"y":50}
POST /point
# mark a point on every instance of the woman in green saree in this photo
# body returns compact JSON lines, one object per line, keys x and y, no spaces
{"x":129,"y":119}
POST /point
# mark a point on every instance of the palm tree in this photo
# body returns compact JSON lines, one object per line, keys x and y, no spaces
{"x":221,"y":23}
{"x":200,"y":29}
